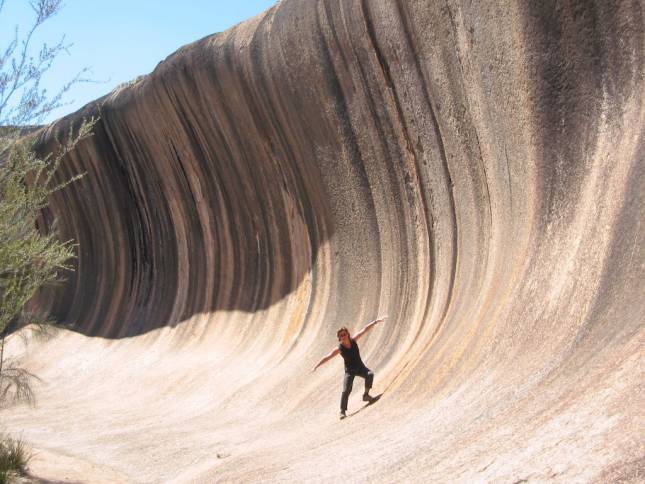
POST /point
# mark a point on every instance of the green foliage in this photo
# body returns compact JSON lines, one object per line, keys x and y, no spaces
{"x":14,"y":458}
{"x":29,"y":258}
{"x":31,"y":254}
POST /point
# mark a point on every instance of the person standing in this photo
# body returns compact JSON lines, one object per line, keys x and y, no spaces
{"x":354,"y":366}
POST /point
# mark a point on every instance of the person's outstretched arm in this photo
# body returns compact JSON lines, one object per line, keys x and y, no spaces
{"x":368,"y":327}
{"x":333,"y":353}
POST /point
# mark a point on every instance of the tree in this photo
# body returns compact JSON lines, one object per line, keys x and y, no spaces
{"x":23,"y":101}
{"x":30,"y":255}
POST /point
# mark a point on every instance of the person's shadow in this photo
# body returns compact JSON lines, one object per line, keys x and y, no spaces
{"x":374,"y":400}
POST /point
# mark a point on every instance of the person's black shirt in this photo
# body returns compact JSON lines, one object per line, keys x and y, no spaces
{"x":352,"y":357}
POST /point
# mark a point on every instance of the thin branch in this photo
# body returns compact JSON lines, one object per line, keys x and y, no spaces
{"x":25,"y":71}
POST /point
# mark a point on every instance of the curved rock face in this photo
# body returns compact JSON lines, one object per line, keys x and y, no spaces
{"x":475,"y":170}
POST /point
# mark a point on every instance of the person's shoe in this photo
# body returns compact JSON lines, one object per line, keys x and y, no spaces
{"x":368,"y":398}
{"x":342,"y":414}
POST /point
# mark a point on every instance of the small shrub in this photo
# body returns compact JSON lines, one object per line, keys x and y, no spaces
{"x":14,"y":458}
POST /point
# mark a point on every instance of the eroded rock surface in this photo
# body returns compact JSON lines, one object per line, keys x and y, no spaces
{"x":475,"y":170}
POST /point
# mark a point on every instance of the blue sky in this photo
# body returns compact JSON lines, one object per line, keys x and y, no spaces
{"x":121,"y":39}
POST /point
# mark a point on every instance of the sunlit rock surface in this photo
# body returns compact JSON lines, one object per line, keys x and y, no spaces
{"x":475,"y":170}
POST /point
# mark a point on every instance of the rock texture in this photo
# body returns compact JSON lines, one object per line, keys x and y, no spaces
{"x":475,"y":170}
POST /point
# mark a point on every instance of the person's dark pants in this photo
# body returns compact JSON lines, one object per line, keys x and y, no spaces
{"x":348,"y":382}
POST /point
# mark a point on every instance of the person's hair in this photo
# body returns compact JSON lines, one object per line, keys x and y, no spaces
{"x":341,"y":330}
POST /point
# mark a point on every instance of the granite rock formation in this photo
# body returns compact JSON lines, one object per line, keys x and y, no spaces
{"x":475,"y":170}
